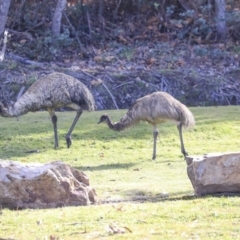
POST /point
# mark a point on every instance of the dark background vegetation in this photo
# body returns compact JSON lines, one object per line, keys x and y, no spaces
{"x":124,"y":49}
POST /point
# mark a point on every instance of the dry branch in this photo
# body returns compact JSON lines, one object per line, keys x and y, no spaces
{"x":2,"y":54}
{"x":25,"y":61}
{"x":113,"y":99}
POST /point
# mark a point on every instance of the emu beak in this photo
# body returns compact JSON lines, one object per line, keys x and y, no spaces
{"x":99,"y":122}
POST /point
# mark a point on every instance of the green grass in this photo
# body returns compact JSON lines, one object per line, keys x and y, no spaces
{"x":130,"y":186}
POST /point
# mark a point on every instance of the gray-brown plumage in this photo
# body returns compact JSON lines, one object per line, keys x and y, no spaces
{"x":155,"y":108}
{"x":49,"y":93}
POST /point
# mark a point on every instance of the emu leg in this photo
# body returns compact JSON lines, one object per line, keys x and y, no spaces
{"x":155,"y":135}
{"x":54,"y":122}
{"x":179,"y":127}
{"x":68,"y":135}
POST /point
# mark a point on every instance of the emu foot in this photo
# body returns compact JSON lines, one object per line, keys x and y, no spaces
{"x":69,"y":141}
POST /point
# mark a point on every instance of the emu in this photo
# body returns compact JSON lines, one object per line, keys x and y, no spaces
{"x":154,"y":109}
{"x":49,"y":93}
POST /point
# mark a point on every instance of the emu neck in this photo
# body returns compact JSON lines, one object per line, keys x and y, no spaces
{"x":115,"y":126}
{"x":110,"y":124}
{"x":118,"y":126}
{"x":13,"y":111}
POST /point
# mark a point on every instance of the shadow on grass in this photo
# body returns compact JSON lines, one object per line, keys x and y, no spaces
{"x":106,"y":167}
{"x":136,"y":196}
{"x":148,"y":197}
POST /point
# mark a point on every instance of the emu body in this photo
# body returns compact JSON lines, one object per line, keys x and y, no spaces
{"x":49,"y":93}
{"x":155,"y":108}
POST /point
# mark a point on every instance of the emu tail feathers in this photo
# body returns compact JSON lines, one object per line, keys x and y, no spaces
{"x":83,"y":97}
{"x":186,"y":117}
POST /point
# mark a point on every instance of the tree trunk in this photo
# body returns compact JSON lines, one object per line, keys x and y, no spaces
{"x":4,"y":7}
{"x":220,"y":6}
{"x":56,"y":21}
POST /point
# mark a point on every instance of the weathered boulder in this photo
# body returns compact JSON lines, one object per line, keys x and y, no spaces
{"x":214,"y":173}
{"x":38,"y":185}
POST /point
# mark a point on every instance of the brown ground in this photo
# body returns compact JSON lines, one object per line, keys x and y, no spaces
{"x":196,"y":75}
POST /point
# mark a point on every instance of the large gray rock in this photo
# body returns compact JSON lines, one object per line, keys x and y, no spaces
{"x":214,"y":173}
{"x":43,"y":185}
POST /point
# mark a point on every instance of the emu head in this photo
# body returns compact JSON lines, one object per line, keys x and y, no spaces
{"x":3,"y":110}
{"x":103,"y":118}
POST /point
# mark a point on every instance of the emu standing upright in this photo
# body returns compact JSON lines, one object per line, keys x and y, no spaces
{"x":53,"y":91}
{"x":155,"y":108}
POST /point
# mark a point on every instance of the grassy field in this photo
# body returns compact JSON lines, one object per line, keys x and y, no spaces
{"x":138,"y":198}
